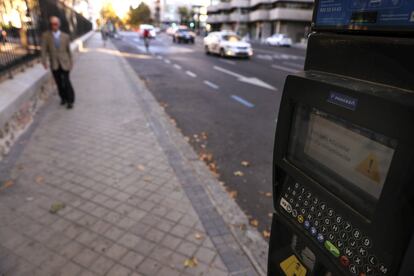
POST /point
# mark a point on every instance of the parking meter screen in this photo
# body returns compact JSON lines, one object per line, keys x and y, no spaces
{"x":354,"y":157}
{"x":365,"y":14}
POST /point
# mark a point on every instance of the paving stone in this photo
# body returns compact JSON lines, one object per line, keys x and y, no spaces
{"x":86,"y":257}
{"x":116,"y":252}
{"x":119,"y":270}
{"x":132,"y":260}
{"x":101,"y":265}
{"x":70,"y":269}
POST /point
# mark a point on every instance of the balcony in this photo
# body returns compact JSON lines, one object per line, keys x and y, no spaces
{"x":259,"y":15}
{"x":223,"y":6}
{"x":240,"y":4}
{"x":290,"y":14}
{"x":211,"y":9}
{"x":257,"y":2}
{"x":239,"y":17}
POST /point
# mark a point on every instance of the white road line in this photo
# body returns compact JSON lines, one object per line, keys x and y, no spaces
{"x":283,"y":68}
{"x":242,"y":101}
{"x":212,"y":85}
{"x":228,"y":61}
{"x":178,"y":67}
{"x":293,"y":64}
{"x":191,"y":74}
{"x":167,"y":61}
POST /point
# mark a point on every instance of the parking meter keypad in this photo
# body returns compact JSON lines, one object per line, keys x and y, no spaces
{"x":331,"y":231}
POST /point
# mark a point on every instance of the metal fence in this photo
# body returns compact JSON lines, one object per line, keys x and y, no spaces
{"x":21,"y":25}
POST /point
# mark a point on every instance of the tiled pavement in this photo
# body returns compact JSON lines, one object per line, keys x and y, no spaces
{"x":130,"y":206}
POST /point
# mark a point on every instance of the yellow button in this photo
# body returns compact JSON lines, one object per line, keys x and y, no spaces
{"x":300,"y":219}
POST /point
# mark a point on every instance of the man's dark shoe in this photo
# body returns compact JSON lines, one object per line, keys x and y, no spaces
{"x":69,"y":106}
{"x":62,"y":102}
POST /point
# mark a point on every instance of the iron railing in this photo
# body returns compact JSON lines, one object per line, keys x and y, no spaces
{"x":21,"y":25}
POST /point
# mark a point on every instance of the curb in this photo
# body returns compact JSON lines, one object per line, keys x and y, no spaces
{"x":248,"y":239}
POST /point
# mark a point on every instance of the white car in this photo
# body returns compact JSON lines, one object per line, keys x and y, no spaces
{"x":279,"y":40}
{"x":227,"y":44}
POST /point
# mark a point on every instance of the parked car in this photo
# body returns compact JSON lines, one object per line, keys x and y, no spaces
{"x":150,"y":28}
{"x":279,"y":40}
{"x":184,"y":35}
{"x":227,"y":44}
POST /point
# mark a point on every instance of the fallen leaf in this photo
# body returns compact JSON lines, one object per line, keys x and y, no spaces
{"x":198,"y":236}
{"x":233,"y":194}
{"x":206,"y":157}
{"x":254,"y":222}
{"x":266,"y":234}
{"x":56,"y":207}
{"x":245,"y":163}
{"x":140,"y":168}
{"x":187,"y":138}
{"x":195,"y":136}
{"x":29,"y":198}
{"x":203,"y":146}
{"x":238,"y":173}
{"x":204,"y":135}
{"x":268,"y":194}
{"x":147,"y":178}
{"x":39,"y":179}
{"x":7,"y":184}
{"x":192,"y":262}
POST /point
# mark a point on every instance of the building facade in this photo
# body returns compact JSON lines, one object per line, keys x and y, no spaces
{"x":262,"y":18}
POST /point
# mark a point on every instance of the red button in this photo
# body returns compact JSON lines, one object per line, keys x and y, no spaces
{"x":344,"y":261}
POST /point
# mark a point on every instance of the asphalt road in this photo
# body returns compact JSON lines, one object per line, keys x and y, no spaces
{"x":226,"y":107}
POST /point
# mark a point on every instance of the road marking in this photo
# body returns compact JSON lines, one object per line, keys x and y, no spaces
{"x":210,"y":84}
{"x":176,"y":66}
{"x":159,"y":57}
{"x":265,"y":57}
{"x":283,"y":68}
{"x":293,"y":64}
{"x":228,"y":61}
{"x":167,"y":61}
{"x":191,"y":74}
{"x":251,"y":80}
{"x":242,"y":101}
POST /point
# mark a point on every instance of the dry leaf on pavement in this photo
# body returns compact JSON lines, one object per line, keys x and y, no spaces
{"x":254,"y":222}
{"x":7,"y":184}
{"x":198,"y":236}
{"x":147,"y":178}
{"x":39,"y":179}
{"x":238,"y":173}
{"x":245,"y":163}
{"x":268,"y":194}
{"x":192,"y":262}
{"x":266,"y":234}
{"x":56,"y":207}
{"x":140,"y":168}
{"x":233,"y":194}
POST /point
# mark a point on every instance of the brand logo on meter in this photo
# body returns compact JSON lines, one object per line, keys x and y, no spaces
{"x":343,"y":100}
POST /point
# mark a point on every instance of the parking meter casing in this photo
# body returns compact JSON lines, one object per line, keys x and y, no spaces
{"x":360,"y":84}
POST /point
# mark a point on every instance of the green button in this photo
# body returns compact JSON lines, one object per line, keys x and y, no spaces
{"x":332,"y":248}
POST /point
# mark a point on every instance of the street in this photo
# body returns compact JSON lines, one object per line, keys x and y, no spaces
{"x":227,"y":108}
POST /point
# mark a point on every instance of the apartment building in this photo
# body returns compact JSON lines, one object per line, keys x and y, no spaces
{"x":262,"y":18}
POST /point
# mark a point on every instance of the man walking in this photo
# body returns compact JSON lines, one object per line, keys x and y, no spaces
{"x":56,"y":45}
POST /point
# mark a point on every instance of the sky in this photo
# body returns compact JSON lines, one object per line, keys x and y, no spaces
{"x":121,"y":6}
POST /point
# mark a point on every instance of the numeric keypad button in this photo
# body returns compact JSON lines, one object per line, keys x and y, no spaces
{"x":301,"y":190}
{"x":352,"y":243}
{"x":331,"y":237}
{"x":340,"y":244}
{"x":327,"y":221}
{"x":353,"y":269}
{"x":296,"y":186}
{"x":317,"y":223}
{"x":356,"y":234}
{"x":323,"y":229}
{"x":358,"y":260}
{"x":312,"y":209}
{"x":335,"y":228}
{"x":362,"y":251}
{"x":383,"y":269}
{"x":315,"y":201}
{"x":343,"y":236}
{"x":322,"y":206}
{"x":331,"y":213}
{"x":366,"y":242}
{"x":349,"y":253}
{"x":347,"y":227}
{"x":308,"y":195}
{"x":319,"y":214}
{"x":369,"y":270}
{"x":338,"y":220}
{"x":372,"y":260}
{"x":306,"y":203}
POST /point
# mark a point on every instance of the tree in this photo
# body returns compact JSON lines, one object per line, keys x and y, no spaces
{"x":139,"y":15}
{"x":185,"y":14}
{"x":108,"y":13}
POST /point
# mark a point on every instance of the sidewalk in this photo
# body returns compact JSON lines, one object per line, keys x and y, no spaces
{"x":135,"y":199}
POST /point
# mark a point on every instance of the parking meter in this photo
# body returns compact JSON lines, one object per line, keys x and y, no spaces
{"x":344,"y":146}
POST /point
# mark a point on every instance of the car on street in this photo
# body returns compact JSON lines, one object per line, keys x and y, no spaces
{"x":279,"y":40}
{"x":184,"y":35}
{"x":150,"y":28}
{"x":227,"y":44}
